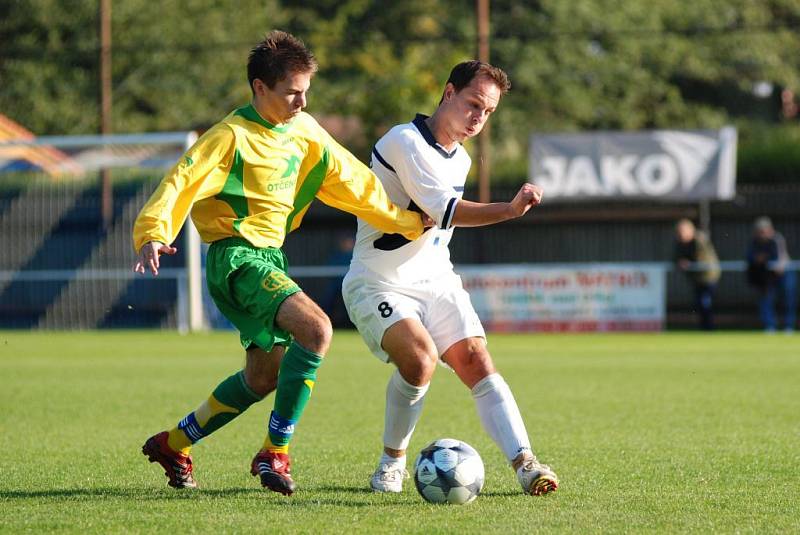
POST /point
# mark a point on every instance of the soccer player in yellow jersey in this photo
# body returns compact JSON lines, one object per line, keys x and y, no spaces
{"x":248,"y":181}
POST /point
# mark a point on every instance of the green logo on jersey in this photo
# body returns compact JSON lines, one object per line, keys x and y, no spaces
{"x":188,"y":161}
{"x":291,"y":166}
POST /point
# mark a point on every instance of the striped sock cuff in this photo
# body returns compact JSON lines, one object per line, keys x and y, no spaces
{"x":191,"y":428}
{"x":280,"y":429}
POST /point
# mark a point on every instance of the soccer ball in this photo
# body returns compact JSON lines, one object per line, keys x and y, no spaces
{"x":449,"y":471}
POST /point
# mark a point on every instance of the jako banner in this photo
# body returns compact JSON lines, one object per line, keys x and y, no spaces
{"x":670,"y":165}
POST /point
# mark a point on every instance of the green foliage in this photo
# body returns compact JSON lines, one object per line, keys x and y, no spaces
{"x":48,"y":76}
{"x":769,"y":154}
{"x":175,"y":65}
{"x":673,"y":64}
{"x":577,"y":65}
{"x":380,"y":62}
{"x":671,"y":433}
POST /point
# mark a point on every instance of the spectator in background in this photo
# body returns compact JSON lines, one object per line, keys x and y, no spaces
{"x":767,"y":263}
{"x":695,"y":256}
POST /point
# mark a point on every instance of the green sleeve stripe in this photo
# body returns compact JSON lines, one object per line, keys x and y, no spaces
{"x":249,"y":112}
{"x":310,"y":187}
{"x":233,"y":191}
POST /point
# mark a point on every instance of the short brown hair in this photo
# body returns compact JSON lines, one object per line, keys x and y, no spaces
{"x":463,"y":73}
{"x":277,"y":56}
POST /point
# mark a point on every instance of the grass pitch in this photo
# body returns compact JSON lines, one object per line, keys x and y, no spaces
{"x":648,"y":433}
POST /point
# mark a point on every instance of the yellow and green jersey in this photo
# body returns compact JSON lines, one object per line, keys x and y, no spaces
{"x":248,"y":178}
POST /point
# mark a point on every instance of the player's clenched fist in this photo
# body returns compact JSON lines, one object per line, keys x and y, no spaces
{"x":536,"y":193}
{"x":528,"y":196}
{"x":148,"y":256}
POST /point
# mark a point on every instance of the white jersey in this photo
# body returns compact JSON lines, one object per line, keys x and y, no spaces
{"x":419,"y":174}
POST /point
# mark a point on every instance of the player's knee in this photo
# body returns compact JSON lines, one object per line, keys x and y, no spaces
{"x":482,"y":365}
{"x":419,"y":364}
{"x":478,"y":359}
{"x":425,"y":366}
{"x":417,"y":373}
{"x":318,"y":334}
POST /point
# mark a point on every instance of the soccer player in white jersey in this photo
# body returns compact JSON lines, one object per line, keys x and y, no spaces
{"x":404,"y":297}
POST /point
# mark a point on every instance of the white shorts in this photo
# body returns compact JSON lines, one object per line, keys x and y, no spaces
{"x":442,"y":306}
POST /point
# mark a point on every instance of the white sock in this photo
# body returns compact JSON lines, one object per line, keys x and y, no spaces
{"x":403,"y":408}
{"x":388,"y":459}
{"x":500,"y":415}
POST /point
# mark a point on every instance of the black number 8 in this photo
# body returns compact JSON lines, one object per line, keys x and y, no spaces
{"x":385,"y":309}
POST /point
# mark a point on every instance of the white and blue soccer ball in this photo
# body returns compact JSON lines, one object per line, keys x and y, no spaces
{"x":449,"y":471}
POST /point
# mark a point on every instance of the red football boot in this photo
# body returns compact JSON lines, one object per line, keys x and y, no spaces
{"x":177,"y":466}
{"x":274,"y":469}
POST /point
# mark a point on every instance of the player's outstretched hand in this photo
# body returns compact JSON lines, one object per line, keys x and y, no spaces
{"x":427,"y":221}
{"x":528,"y":196}
{"x":148,"y":256}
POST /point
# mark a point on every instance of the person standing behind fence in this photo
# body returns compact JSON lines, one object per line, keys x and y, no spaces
{"x":768,"y":271}
{"x":695,"y":255}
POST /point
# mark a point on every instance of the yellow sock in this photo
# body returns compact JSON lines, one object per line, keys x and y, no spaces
{"x":231,"y":397}
{"x":269,"y":446}
{"x":178,"y":441}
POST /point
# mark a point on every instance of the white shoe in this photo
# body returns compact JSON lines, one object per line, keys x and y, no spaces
{"x":389,"y":478}
{"x":534,"y":477}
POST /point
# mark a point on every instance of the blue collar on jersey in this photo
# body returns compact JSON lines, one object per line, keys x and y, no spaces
{"x":419,"y":122}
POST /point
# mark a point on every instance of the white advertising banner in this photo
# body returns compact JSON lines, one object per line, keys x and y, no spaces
{"x":568,"y":297}
{"x":668,"y":165}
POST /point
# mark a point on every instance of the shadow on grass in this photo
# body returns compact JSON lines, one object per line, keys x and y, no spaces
{"x":342,"y":488}
{"x":114,"y":492}
{"x":502,"y":494}
{"x":324,"y":495}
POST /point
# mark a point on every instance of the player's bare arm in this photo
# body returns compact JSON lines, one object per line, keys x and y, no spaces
{"x":475,"y":214}
{"x":148,"y":256}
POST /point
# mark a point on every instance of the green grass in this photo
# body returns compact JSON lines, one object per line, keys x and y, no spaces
{"x":648,"y":433}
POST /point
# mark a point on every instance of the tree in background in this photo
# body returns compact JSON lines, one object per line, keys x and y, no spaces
{"x":577,"y":65}
{"x":176,"y":65}
{"x":380,"y":61}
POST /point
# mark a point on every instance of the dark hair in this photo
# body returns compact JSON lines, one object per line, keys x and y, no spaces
{"x":463,"y":73}
{"x":276,"y":57}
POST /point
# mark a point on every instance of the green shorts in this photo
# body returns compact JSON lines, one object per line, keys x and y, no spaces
{"x":248,"y":284}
